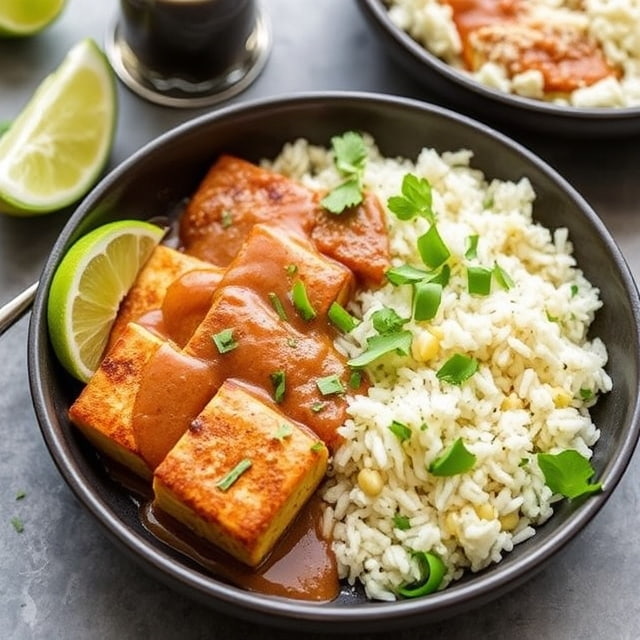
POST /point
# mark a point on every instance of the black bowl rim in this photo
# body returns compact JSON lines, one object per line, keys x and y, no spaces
{"x":376,"y":10}
{"x":285,"y":612}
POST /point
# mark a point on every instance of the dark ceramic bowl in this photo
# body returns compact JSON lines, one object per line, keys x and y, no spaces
{"x":460,"y":91}
{"x":163,"y":173}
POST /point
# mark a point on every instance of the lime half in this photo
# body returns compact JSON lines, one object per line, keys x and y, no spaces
{"x":55,"y":149}
{"x":26,"y":17}
{"x":88,"y":287}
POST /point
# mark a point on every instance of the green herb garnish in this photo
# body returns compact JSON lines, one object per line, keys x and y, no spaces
{"x":386,"y":321}
{"x":317,"y":446}
{"x":301,"y":301}
{"x":224,"y":341}
{"x":291,"y":269}
{"x":401,"y":522}
{"x":317,"y":407}
{"x":341,"y":318}
{"x":471,"y":251}
{"x":355,"y":379}
{"x":586,"y":394}
{"x":226,"y":219}
{"x":574,"y":290}
{"x":283,"y":431}
{"x":228,"y":480}
{"x":378,"y":346}
{"x":18,"y":525}
{"x":433,"y":251}
{"x":292,"y":342}
{"x":406,"y":274}
{"x":457,"y":369}
{"x":401,"y":431}
{"x":432,"y":570}
{"x":330,"y":385}
{"x":454,"y":460}
{"x":20,"y":495}
{"x":502,"y":277}
{"x":278,"y":381}
{"x":416,"y":199}
{"x":276,"y":303}
{"x":350,"y":156}
{"x":426,"y":300}
{"x":479,"y":280}
{"x":568,"y":473}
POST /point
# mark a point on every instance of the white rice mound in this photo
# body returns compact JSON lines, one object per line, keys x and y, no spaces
{"x":534,"y":360}
{"x":614,"y":24}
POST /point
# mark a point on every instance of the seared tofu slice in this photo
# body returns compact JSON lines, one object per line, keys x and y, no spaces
{"x":240,"y":474}
{"x":259,"y":348}
{"x":235,"y":195}
{"x":272,"y":259}
{"x":104,"y":410}
{"x":357,"y":238}
{"x":164,"y":267}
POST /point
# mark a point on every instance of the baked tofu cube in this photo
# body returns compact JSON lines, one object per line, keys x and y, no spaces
{"x":164,"y":267}
{"x":104,"y":410}
{"x":240,"y":474}
{"x":272,"y":259}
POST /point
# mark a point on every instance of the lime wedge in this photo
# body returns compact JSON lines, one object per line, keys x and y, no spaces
{"x":55,"y":149}
{"x":88,"y":287}
{"x":26,"y":17}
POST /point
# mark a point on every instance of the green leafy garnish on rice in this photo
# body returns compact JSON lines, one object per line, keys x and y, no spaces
{"x":433,"y":251}
{"x":454,"y":460}
{"x":568,"y":473}
{"x":457,"y":369}
{"x":378,"y":346}
{"x":350,"y":156}
{"x":415,"y":200}
{"x":432,"y":570}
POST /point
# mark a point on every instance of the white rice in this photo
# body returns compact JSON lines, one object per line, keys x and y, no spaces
{"x":614,"y":24}
{"x":535,"y":358}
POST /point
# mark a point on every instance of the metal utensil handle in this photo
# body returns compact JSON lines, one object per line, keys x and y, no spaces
{"x":16,"y":308}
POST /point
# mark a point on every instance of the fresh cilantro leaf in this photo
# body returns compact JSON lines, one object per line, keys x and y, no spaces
{"x":380,"y":345}
{"x":387,"y":320}
{"x":416,"y":199}
{"x":568,"y":473}
{"x":344,"y":196}
{"x":401,"y":522}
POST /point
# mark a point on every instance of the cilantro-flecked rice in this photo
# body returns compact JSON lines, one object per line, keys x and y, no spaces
{"x":538,"y":373}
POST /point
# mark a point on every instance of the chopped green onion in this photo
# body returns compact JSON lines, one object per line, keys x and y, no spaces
{"x":523,"y":462}
{"x":502,"y":277}
{"x":224,"y":341}
{"x":330,"y":385}
{"x":317,"y":446}
{"x":432,"y":249}
{"x":279,"y":385}
{"x":551,"y":318}
{"x":457,"y":369}
{"x":432,"y":571}
{"x":568,"y":473}
{"x":226,"y":219}
{"x":401,"y":522}
{"x":18,"y":525}
{"x":454,"y":460}
{"x":574,"y":290}
{"x":586,"y":394}
{"x":441,"y":276}
{"x":317,"y":407}
{"x":355,"y":379}
{"x":341,"y":318}
{"x":20,"y":495}
{"x":416,"y":199}
{"x":283,"y":431}
{"x":424,"y":426}
{"x":228,"y":480}
{"x":291,"y":269}
{"x":387,"y":320}
{"x":301,"y":301}
{"x":479,"y":280}
{"x":471,"y":251}
{"x":277,"y":305}
{"x":405,"y":274}
{"x":401,"y":431}
{"x":378,"y":346}
{"x":426,"y":300}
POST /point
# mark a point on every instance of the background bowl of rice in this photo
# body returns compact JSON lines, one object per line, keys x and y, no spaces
{"x":460,"y":90}
{"x":400,"y":127}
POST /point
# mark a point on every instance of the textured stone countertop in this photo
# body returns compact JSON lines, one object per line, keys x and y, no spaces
{"x":62,"y":578}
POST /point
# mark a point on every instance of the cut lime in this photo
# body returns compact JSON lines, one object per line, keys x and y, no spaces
{"x":57,"y":146}
{"x":88,"y":287}
{"x":26,"y":17}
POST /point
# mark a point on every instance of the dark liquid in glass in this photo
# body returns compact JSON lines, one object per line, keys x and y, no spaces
{"x":193,"y":40}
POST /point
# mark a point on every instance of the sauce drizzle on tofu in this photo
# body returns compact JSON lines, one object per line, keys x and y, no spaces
{"x":191,"y":412}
